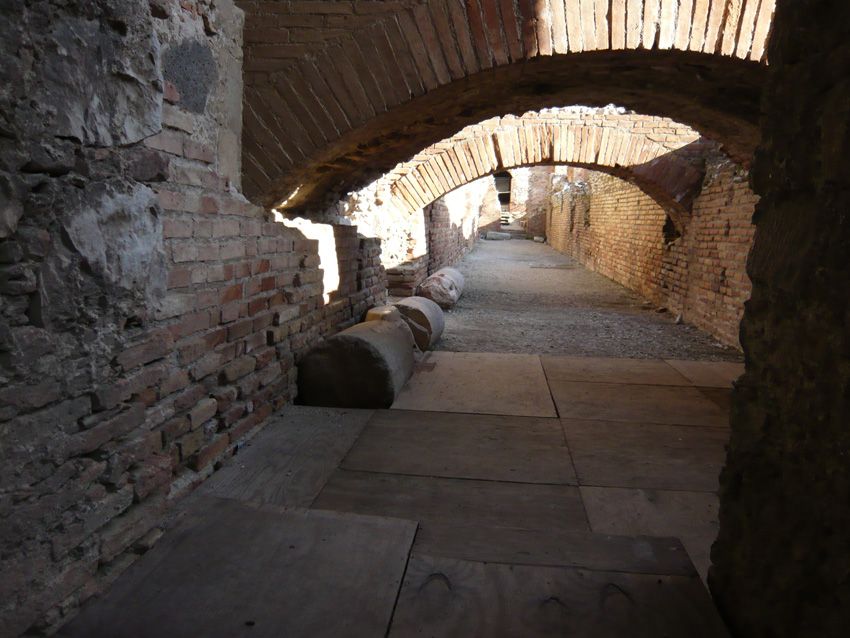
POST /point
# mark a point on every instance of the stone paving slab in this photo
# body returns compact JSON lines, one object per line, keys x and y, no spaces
{"x":455,"y":502}
{"x":646,"y":455}
{"x":636,"y":403}
{"x":449,"y":597}
{"x":689,"y":516}
{"x":231,"y":569}
{"x":587,"y":550}
{"x":290,"y":460}
{"x":471,"y":446}
{"x":478,"y":383}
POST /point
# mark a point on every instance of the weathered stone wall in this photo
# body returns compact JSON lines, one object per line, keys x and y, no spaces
{"x":453,"y":221}
{"x":150,"y":317}
{"x":490,"y":212}
{"x":519,"y":191}
{"x":416,"y":243}
{"x":781,"y":561}
{"x":538,"y":202}
{"x":696,"y":268}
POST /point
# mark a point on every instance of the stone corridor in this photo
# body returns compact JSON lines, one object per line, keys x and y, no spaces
{"x":503,"y":494}
{"x":210,"y":211}
{"x":526,"y":297}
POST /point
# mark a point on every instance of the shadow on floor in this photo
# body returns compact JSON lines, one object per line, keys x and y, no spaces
{"x":502,"y":495}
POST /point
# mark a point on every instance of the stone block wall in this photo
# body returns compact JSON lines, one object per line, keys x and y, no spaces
{"x":490,"y":211}
{"x":696,"y":270}
{"x":419,"y":243}
{"x":519,"y":191}
{"x":781,"y":559}
{"x":150,"y":317}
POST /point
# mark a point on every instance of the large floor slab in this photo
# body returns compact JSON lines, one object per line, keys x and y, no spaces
{"x":636,"y":403}
{"x":478,"y":383}
{"x":646,"y":455}
{"x":288,"y":462}
{"x":450,"y":597}
{"x":690,"y":516}
{"x":496,"y":448}
{"x":233,"y":569}
{"x":455,"y":502}
{"x":722,"y":397}
{"x":612,"y":370}
{"x":588,"y":550}
{"x":710,"y":374}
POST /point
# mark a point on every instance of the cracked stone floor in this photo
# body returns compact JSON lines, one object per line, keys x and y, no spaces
{"x":526,"y":491}
{"x":502,"y":495}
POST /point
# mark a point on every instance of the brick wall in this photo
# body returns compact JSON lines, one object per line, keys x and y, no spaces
{"x":453,"y":221}
{"x":151,"y":317}
{"x":324,"y":79}
{"x":437,"y":235}
{"x":697,"y":270}
{"x":537,"y":204}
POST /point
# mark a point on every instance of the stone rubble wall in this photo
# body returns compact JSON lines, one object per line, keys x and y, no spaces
{"x":781,"y":559}
{"x":519,"y":191}
{"x":150,"y":317}
{"x":698,"y":270}
{"x":537,"y":204}
{"x":453,"y":222}
{"x":417,"y":243}
{"x":613,"y":139}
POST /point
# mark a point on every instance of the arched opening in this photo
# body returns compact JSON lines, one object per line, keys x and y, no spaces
{"x":634,"y":198}
{"x":722,"y":104}
{"x":455,"y":63}
{"x":152,"y":322}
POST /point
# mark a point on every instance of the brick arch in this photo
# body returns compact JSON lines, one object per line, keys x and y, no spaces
{"x":662,"y":157}
{"x":338,"y":93}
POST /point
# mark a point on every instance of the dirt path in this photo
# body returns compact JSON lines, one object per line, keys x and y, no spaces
{"x":526,"y":297}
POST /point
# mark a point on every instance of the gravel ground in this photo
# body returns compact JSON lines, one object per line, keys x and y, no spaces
{"x":525,"y":297}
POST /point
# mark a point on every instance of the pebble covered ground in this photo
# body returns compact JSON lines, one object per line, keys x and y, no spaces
{"x":525,"y":297}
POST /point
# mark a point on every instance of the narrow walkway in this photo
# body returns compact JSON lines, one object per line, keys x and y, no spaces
{"x":526,"y":297}
{"x":503,"y":495}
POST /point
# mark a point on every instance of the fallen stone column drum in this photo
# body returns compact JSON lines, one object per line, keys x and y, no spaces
{"x":425,"y":319}
{"x":443,"y":287}
{"x":365,"y":366}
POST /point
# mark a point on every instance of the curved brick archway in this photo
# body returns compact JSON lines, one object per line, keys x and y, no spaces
{"x":338,"y":93}
{"x":662,"y":157}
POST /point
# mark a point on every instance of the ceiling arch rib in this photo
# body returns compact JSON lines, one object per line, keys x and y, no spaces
{"x":339,"y":92}
{"x":662,"y":157}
